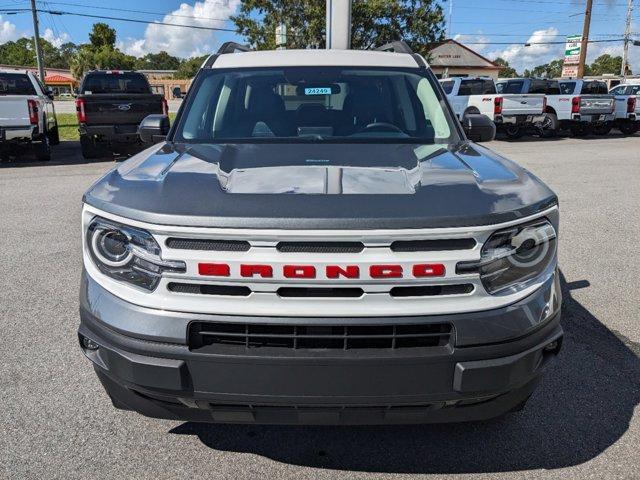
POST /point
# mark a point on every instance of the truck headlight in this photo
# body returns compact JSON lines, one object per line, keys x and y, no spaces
{"x":128,"y":254}
{"x":516,"y":257}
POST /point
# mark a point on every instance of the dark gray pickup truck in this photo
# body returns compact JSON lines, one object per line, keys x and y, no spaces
{"x":110,"y":105}
{"x":317,"y":240}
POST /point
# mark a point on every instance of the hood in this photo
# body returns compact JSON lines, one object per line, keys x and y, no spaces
{"x":319,"y":185}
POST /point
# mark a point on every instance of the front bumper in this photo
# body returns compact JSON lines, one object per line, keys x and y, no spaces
{"x":467,"y":380}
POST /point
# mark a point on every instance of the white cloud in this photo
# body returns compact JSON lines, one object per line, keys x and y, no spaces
{"x":184,"y":42}
{"x":8,"y":31}
{"x":537,"y":53}
{"x":478,"y":43}
{"x":55,"y":41}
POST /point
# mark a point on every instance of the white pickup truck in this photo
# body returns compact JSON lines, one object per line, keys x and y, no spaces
{"x":627,"y":107}
{"x":512,"y":113}
{"x":27,"y":114}
{"x":577,"y":105}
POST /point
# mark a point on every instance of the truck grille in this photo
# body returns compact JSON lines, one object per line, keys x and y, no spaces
{"x":205,"y":337}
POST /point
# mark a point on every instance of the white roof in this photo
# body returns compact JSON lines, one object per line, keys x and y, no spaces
{"x":315,"y":58}
{"x":5,"y":70}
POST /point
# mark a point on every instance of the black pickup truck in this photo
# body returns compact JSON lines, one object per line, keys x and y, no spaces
{"x":110,"y":106}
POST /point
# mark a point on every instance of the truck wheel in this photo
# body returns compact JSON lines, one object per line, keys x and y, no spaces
{"x":89,"y":150}
{"x":513,"y":132}
{"x":42,"y":149}
{"x":550,"y":125}
{"x":629,"y":128}
{"x":602,"y":130}
{"x":54,"y":136}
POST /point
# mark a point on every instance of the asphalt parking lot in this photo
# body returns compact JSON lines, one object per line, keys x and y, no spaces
{"x":583,"y":422}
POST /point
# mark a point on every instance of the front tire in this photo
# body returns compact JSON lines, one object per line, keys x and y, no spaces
{"x":550,"y":125}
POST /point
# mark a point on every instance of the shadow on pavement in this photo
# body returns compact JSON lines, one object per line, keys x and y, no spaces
{"x":583,"y":406}
{"x":66,"y":153}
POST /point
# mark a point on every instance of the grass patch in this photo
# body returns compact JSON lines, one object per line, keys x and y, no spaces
{"x":68,"y":125}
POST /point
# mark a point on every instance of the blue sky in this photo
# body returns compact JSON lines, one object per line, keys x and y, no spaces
{"x":492,"y":27}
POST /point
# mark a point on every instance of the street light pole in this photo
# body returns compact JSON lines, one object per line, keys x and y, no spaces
{"x":36,"y":39}
{"x":585,"y":38}
{"x":627,"y":37}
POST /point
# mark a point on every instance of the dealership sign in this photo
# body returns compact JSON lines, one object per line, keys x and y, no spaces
{"x":572,"y":50}
{"x":569,"y":71}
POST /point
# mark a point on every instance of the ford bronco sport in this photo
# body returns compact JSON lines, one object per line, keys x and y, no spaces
{"x":317,"y":241}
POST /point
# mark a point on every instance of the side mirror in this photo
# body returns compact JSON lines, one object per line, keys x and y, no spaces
{"x":154,"y":128}
{"x":49,"y":92}
{"x":479,"y":128}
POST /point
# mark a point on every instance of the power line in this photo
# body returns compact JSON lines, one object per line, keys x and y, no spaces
{"x":145,"y":12}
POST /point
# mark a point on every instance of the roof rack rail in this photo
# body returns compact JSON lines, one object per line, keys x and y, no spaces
{"x":233,"y":47}
{"x":398,"y":46}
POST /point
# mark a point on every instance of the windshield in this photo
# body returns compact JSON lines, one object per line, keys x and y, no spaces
{"x":16,"y":84}
{"x":307,"y":104}
{"x":115,"y":83}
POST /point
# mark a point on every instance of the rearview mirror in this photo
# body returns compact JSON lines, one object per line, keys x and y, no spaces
{"x":479,"y":128}
{"x":154,"y":128}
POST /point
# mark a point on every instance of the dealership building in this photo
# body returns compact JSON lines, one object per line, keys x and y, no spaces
{"x":452,"y":59}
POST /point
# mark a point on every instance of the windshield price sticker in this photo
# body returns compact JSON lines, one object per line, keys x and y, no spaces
{"x":317,"y":91}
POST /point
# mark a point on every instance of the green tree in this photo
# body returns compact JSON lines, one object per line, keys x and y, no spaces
{"x":102,"y":35}
{"x":604,"y":64}
{"x":374,"y":22}
{"x":188,"y":68}
{"x":548,"y":70}
{"x":157,"y":61}
{"x":507,"y":71}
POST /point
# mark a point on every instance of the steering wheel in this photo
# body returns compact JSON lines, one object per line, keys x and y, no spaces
{"x":381,"y":127}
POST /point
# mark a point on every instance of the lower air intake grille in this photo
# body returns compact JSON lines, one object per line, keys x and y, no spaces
{"x":208,"y":245}
{"x":215,"y":337}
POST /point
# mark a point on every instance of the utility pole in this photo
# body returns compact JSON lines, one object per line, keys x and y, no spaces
{"x":36,"y":39}
{"x":585,"y":38}
{"x":450,"y":16}
{"x":627,"y":37}
{"x":339,"y":24}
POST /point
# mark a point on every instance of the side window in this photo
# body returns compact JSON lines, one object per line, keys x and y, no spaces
{"x":634,"y":90}
{"x":447,"y":86}
{"x":553,"y":88}
{"x":466,"y":88}
{"x":488,"y":87}
{"x":567,"y":88}
{"x":619,"y":90}
{"x":538,"y":86}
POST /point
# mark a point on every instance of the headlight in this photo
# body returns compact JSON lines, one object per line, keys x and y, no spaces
{"x":128,"y":254}
{"x":516,"y":257}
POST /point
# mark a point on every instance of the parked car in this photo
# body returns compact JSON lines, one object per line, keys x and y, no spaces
{"x":627,"y":108}
{"x":513,"y":114}
{"x":576,"y":105}
{"x":27,"y":115}
{"x":592,"y":108}
{"x":110,"y":106}
{"x":317,"y":241}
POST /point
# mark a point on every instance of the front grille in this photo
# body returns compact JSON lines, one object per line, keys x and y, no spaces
{"x":433,"y":245}
{"x":431,"y":290}
{"x":204,"y":289}
{"x":320,"y":247}
{"x":208,"y":245}
{"x":206,"y":337}
{"x":320,"y":292}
